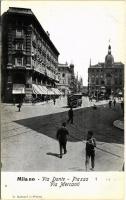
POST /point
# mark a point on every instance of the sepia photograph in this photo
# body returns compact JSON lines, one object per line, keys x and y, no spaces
{"x":62,"y":87}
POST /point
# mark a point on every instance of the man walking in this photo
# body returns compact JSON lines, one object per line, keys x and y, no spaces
{"x":54,"y":100}
{"x":122,"y":106}
{"x":61,"y":135}
{"x":70,"y":116}
{"x":90,"y":150}
{"x":19,"y":106}
{"x":110,"y":103}
{"x":114,"y":102}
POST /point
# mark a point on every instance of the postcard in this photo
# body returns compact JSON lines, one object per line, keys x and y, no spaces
{"x":62,"y":99}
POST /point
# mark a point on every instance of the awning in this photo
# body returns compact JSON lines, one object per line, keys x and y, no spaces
{"x":36,"y":89}
{"x":47,"y":91}
{"x":56,"y":91}
{"x":60,"y":93}
{"x":120,"y":93}
{"x":50,"y":92}
{"x":40,"y":89}
{"x":18,"y":89}
{"x":43,"y":89}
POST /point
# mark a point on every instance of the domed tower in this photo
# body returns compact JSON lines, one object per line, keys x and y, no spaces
{"x":72,"y":68}
{"x":109,"y":59}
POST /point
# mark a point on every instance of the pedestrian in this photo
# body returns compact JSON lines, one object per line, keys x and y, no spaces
{"x":90,"y":150}
{"x":90,"y":99}
{"x":94,"y":107}
{"x":54,"y":100}
{"x":110,"y":103}
{"x":62,"y":135}
{"x":14,"y":101}
{"x":122,"y":106}
{"x":114,"y":102}
{"x":70,"y":116}
{"x":19,"y":106}
{"x":123,"y":168}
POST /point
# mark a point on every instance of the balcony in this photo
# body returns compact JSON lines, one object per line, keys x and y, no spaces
{"x":34,"y":43}
{"x":40,"y":69}
{"x":9,"y":66}
{"x":19,"y":37}
{"x":16,"y":66}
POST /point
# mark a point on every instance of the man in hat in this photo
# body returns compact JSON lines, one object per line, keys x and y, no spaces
{"x":61,"y":135}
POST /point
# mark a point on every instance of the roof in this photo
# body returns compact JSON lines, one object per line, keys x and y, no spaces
{"x":62,"y":65}
{"x":30,"y":14}
{"x":102,"y":65}
{"x":20,"y":10}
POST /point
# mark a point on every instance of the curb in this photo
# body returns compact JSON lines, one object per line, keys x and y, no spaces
{"x":119,"y":124}
{"x":28,"y":104}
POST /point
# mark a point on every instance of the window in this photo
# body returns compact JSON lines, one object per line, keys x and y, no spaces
{"x":108,"y":75}
{"x":18,"y":61}
{"x":120,"y":81}
{"x":108,"y":81}
{"x":102,"y":82}
{"x":92,"y":80}
{"x":19,"y":46}
{"x":97,"y":81}
{"x":116,"y":81}
{"x":34,"y":37}
{"x":18,"y":32}
{"x":63,"y":75}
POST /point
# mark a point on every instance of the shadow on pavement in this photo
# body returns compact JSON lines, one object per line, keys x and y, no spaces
{"x":100,"y":121}
{"x":54,"y":154}
{"x":65,"y":107}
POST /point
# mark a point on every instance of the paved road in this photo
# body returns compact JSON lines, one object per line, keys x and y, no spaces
{"x":29,"y":142}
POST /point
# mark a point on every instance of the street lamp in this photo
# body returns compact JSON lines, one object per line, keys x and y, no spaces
{"x":97,"y":95}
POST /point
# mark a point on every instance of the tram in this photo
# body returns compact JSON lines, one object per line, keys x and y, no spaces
{"x":74,"y":100}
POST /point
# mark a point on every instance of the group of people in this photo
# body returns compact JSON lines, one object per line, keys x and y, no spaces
{"x":62,"y":135}
{"x":114,"y":104}
{"x":110,"y":103}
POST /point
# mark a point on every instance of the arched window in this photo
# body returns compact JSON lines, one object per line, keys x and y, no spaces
{"x":63,"y":75}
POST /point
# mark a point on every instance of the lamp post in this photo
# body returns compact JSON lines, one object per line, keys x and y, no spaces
{"x":97,"y":95}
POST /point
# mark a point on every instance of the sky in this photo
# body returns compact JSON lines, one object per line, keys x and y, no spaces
{"x":81,"y":30}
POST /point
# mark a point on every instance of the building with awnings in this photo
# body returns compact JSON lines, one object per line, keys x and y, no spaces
{"x":29,"y":58}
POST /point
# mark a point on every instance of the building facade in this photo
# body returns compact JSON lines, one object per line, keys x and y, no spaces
{"x":29,"y":58}
{"x":68,"y":82}
{"x":106,"y":78}
{"x":66,"y":73}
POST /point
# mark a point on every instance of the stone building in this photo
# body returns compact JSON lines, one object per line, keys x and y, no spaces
{"x":106,"y":78}
{"x":68,"y":82}
{"x":29,"y":58}
{"x":66,"y":75}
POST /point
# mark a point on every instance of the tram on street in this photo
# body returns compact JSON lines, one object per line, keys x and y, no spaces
{"x":74,"y":100}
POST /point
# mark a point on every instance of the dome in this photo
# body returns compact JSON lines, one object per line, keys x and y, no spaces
{"x":109,"y":59}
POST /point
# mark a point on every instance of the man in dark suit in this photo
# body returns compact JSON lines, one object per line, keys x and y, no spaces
{"x":70,"y":115}
{"x":61,"y":135}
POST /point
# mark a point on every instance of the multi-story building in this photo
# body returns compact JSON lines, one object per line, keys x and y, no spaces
{"x":107,"y":77}
{"x":66,"y":75}
{"x":29,"y":58}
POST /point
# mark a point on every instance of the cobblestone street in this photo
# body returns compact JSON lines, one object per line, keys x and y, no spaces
{"x":29,"y":137}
